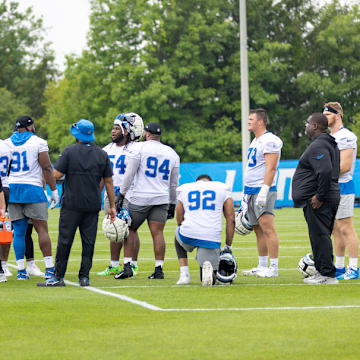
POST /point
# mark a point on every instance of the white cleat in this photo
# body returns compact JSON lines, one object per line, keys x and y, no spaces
{"x":207,"y":274}
{"x":7,"y":271}
{"x":319,"y":279}
{"x":268,"y":272}
{"x":184,"y":279}
{"x":34,"y":270}
{"x":2,"y":277}
{"x":253,"y":271}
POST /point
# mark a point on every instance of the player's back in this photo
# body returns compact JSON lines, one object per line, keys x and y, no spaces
{"x":203,"y":203}
{"x":152,"y":180}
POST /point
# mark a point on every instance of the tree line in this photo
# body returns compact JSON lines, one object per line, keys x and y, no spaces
{"x":177,"y":62}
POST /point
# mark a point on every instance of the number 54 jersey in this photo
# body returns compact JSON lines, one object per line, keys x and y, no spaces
{"x":203,"y":203}
{"x":157,"y":174}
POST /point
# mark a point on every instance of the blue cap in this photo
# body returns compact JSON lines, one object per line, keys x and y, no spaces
{"x":83,"y":130}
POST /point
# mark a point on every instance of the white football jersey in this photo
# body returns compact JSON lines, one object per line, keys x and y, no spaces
{"x":151,"y":183}
{"x":346,"y":139}
{"x":267,"y":143}
{"x":25,"y":167}
{"x":5,"y":158}
{"x":203,"y":203}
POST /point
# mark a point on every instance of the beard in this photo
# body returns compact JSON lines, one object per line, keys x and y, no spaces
{"x":118,"y":139}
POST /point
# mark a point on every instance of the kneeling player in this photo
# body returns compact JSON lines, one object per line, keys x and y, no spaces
{"x":199,"y":211}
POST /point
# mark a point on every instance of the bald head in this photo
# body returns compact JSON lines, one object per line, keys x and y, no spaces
{"x":320,"y":120}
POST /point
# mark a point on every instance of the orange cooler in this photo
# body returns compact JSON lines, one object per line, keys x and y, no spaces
{"x":6,"y":234}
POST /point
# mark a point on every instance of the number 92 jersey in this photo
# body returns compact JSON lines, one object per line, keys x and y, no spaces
{"x":153,"y":178}
{"x":203,"y":203}
{"x":268,"y":143}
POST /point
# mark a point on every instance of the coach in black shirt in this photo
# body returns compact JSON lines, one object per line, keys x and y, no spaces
{"x":315,"y":188}
{"x":84,"y":165}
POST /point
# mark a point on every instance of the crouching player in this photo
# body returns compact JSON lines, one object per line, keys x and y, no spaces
{"x":199,"y":211}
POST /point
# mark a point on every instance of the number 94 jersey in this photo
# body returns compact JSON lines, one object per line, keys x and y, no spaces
{"x":268,"y":143}
{"x":203,"y":203}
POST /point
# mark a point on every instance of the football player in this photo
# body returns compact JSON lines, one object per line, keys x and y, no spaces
{"x":199,"y":212}
{"x":153,"y":169}
{"x":345,"y":236}
{"x":127,"y":128}
{"x":30,"y":161}
{"x":260,"y":192}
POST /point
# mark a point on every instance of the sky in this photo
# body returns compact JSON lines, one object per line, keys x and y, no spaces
{"x":66,"y":22}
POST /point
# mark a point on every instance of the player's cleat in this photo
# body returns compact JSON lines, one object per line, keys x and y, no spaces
{"x":2,"y":277}
{"x":32,"y":269}
{"x":49,"y":273}
{"x":319,"y":279}
{"x":253,"y":271}
{"x":84,"y":281}
{"x":7,"y":272}
{"x":135,"y":269}
{"x":350,"y":274}
{"x":207,"y":274}
{"x":22,"y":275}
{"x":268,"y":272}
{"x":52,"y":282}
{"x":157,"y":274}
{"x":184,"y":279}
{"x":125,"y":273}
{"x":340,"y":272}
{"x":110,"y":270}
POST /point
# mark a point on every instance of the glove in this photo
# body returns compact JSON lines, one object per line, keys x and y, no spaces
{"x":117,"y":190}
{"x":54,"y":199}
{"x":262,"y":195}
{"x":171,"y":211}
{"x":226,"y":249}
{"x":119,"y":202}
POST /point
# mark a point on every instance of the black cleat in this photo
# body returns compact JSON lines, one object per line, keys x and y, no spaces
{"x":158,"y":273}
{"x":52,"y":282}
{"x":126,"y":272}
{"x":84,"y":281}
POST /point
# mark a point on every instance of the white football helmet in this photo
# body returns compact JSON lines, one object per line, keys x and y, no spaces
{"x":306,"y":265}
{"x":136,"y":125}
{"x":116,"y":231}
{"x":242,"y":225}
{"x":227,"y":268}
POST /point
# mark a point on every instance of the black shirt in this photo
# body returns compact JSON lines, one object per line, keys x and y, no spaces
{"x":317,"y":172}
{"x":84,"y":166}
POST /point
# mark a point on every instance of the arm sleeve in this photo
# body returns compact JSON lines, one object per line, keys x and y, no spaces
{"x":61,"y":163}
{"x":320,"y":161}
{"x":131,"y":169}
{"x":174,"y":181}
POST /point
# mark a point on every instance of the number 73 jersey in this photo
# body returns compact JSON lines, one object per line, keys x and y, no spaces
{"x":268,"y":143}
{"x":203,"y":203}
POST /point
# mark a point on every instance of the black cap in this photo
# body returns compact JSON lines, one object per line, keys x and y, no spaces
{"x":23,"y":121}
{"x":153,"y":128}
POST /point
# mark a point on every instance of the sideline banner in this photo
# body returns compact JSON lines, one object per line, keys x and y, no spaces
{"x":231,"y":174}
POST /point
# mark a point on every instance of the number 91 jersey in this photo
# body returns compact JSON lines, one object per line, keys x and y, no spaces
{"x":203,"y":203}
{"x":268,"y":143}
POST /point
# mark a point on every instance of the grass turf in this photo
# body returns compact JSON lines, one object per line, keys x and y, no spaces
{"x":70,"y":322}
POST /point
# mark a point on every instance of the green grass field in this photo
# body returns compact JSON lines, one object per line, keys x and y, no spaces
{"x":254,"y":318}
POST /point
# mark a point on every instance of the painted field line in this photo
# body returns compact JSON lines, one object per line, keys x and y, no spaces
{"x":118,"y":296}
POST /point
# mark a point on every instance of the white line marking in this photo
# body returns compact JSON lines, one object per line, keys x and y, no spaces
{"x":119,"y":296}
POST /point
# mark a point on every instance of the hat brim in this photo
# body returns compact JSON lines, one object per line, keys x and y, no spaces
{"x":80,"y":136}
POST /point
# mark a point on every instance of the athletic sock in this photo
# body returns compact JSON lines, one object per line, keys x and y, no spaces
{"x":20,"y":264}
{"x":184,"y":270}
{"x":133,"y":262}
{"x":159,"y":263}
{"x":48,"y":260}
{"x":339,"y":262}
{"x":19,"y":227}
{"x":114,"y":263}
{"x":30,"y":262}
{"x":127,"y":260}
{"x":353,"y":263}
{"x":263,"y":261}
{"x":274,"y":263}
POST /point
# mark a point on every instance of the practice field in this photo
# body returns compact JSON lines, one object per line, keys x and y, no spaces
{"x":137,"y":318}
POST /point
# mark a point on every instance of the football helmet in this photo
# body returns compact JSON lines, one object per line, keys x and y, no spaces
{"x":306,"y":265}
{"x":116,"y":231}
{"x":133,"y":123}
{"x":242,"y":225}
{"x":227,"y":268}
